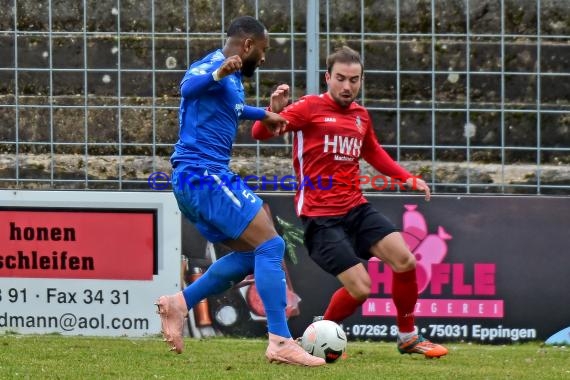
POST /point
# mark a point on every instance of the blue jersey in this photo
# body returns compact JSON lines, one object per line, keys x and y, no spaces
{"x":209,"y":115}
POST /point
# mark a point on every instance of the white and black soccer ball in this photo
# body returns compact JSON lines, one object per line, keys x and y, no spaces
{"x":324,"y":339}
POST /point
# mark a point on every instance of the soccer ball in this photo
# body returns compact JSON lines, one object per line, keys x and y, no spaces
{"x":324,"y":339}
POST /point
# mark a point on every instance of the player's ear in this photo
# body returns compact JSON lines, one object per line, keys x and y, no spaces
{"x":248,"y":44}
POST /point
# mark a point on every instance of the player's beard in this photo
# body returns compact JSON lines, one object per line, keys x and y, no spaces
{"x":248,"y":68}
{"x":344,"y":101}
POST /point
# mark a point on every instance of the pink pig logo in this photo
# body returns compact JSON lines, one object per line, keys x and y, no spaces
{"x":428,"y":248}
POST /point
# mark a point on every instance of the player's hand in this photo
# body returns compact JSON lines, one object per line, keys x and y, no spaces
{"x":416,"y":183}
{"x":279,"y":98}
{"x":274,"y":122}
{"x":230,"y":66}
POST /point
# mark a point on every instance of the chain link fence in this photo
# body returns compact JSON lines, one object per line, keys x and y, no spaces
{"x":472,"y":95}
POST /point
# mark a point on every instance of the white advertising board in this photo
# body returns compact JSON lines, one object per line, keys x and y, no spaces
{"x":87,"y":263}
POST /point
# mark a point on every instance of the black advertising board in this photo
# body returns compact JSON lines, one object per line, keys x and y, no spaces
{"x":490,"y":270}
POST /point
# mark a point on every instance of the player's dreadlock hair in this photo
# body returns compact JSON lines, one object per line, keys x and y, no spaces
{"x":246,"y":26}
{"x":344,"y":55}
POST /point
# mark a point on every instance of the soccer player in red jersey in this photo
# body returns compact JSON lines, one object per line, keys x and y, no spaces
{"x":331,"y":133}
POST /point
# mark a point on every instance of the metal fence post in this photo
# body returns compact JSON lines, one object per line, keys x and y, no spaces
{"x":313,"y":47}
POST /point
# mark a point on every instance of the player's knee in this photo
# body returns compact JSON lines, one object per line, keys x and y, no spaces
{"x":405,"y":263}
{"x":360,"y":290}
{"x":360,"y":293}
{"x":273,"y":248}
{"x":279,"y":246}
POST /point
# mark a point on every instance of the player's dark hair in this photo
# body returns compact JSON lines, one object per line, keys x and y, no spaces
{"x":344,"y":55}
{"x":246,"y":26}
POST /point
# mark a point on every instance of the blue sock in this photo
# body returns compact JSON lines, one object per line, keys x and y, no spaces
{"x":271,"y":285}
{"x":220,"y":276}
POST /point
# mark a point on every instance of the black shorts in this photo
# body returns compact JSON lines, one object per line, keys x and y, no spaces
{"x":338,"y":243}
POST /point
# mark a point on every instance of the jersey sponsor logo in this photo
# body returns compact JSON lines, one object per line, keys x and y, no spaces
{"x":239,"y":109}
{"x":338,"y":157}
{"x":343,"y":145}
{"x":330,"y":119}
{"x":359,"y":125}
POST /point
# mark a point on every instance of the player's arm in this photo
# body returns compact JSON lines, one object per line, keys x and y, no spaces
{"x":294,"y":114}
{"x":195,"y":84}
{"x":261,"y":130}
{"x":279,"y":100}
{"x":252,"y":113}
{"x":375,"y":155}
{"x":197,"y":80}
{"x":271,"y":122}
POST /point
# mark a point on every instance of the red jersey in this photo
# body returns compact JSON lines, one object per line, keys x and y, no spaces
{"x":328,"y":142}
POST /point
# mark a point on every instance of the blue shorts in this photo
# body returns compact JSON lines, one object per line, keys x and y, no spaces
{"x":221,"y":205}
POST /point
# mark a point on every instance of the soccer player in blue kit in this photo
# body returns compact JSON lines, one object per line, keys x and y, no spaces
{"x":223,"y":208}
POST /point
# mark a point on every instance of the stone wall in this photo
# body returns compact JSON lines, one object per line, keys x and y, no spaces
{"x":132,"y":172}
